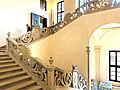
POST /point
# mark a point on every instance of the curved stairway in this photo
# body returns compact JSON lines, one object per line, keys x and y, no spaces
{"x":13,"y":76}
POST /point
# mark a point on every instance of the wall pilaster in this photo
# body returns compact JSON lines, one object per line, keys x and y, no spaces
{"x":97,"y":62}
{"x":88,"y":55}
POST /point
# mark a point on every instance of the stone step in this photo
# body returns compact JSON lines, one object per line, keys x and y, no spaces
{"x":3,"y":55}
{"x":23,"y":85}
{"x":14,"y":81}
{"x":10,"y":70}
{"x":5,"y":58}
{"x":35,"y":88}
{"x":7,"y":62}
{"x":2,"y":47}
{"x":2,"y":50}
{"x":12,"y":75}
{"x":8,"y":66}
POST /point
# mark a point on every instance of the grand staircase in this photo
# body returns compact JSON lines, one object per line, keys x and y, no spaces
{"x":13,"y":76}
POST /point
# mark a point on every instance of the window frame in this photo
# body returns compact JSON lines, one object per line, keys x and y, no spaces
{"x":43,"y":5}
{"x":116,"y":66}
{"x":61,"y":11}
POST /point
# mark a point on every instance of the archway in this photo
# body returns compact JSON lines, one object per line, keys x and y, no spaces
{"x":105,"y":38}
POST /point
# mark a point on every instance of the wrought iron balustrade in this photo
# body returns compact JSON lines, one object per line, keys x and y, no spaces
{"x":48,"y":76}
{"x":87,"y":8}
{"x":70,"y":79}
{"x":22,"y":53}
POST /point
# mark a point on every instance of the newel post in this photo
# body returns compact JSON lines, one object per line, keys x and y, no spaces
{"x":51,"y":81}
{"x":7,"y":40}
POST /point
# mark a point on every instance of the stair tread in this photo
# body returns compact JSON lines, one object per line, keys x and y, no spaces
{"x":11,"y":69}
{"x":25,"y":84}
{"x":2,"y":50}
{"x":8,"y":65}
{"x":5,"y":57}
{"x":11,"y":75}
{"x":7,"y":82}
{"x":35,"y":88}
{"x":11,"y":78}
{"x":2,"y":54}
{"x":7,"y":61}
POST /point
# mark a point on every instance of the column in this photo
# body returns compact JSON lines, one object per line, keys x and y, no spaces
{"x":97,"y":62}
{"x":50,"y":11}
{"x":89,"y":81}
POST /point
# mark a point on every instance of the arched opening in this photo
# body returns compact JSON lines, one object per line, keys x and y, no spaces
{"x":103,"y":40}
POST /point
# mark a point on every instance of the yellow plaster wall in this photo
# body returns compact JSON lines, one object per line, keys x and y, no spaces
{"x":69,"y":6}
{"x":110,"y":41}
{"x":92,"y":58}
{"x":69,"y":44}
{"x":42,"y":49}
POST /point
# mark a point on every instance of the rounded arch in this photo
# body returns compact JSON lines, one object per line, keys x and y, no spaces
{"x":91,"y":22}
{"x":101,"y":41}
{"x":81,"y":29}
{"x":102,"y":30}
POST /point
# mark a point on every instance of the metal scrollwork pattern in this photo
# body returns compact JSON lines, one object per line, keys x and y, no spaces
{"x":38,"y":69}
{"x":23,"y":55}
{"x":25,"y":38}
{"x":86,"y":8}
{"x":70,"y":79}
{"x":78,"y":81}
{"x":98,"y":5}
{"x":63,"y":79}
{"x":36,"y":33}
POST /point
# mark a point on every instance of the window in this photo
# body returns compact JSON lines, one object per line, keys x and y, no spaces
{"x":60,"y":11}
{"x":115,"y":1}
{"x":81,"y":2}
{"x":114,"y":66}
{"x":43,"y":4}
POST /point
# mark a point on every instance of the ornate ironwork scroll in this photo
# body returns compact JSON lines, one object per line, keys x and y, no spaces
{"x":98,"y":5}
{"x":23,"y":55}
{"x":63,"y":79}
{"x":33,"y":35}
{"x":17,"y":48}
{"x":86,"y":8}
{"x":78,"y":81}
{"x":70,"y":79}
{"x":60,"y":78}
{"x":25,"y":38}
